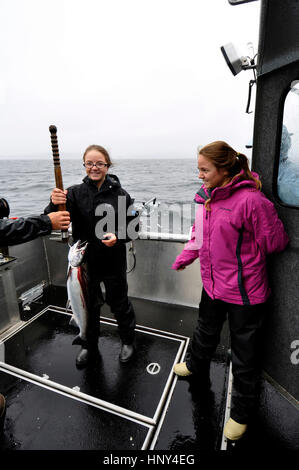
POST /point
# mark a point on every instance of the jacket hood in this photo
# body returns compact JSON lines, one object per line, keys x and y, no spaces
{"x":224,"y":192}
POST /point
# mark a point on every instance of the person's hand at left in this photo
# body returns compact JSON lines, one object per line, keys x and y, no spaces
{"x":109,"y":239}
{"x":60,"y":220}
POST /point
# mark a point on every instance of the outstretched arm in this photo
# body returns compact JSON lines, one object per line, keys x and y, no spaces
{"x":14,"y":232}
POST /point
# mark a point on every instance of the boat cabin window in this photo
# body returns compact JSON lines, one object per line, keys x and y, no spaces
{"x":288,"y":170}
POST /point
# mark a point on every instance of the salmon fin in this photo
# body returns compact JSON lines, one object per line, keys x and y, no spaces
{"x":73,"y":322}
{"x":78,"y":340}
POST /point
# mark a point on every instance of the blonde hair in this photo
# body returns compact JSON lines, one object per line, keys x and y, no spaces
{"x":224,"y":156}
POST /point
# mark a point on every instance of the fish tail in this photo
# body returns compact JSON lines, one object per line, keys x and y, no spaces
{"x":78,"y":340}
{"x":73,"y":321}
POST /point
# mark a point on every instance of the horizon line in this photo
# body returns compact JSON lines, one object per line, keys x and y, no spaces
{"x":68,"y":157}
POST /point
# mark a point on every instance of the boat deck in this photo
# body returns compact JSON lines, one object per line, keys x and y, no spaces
{"x":140,"y":405}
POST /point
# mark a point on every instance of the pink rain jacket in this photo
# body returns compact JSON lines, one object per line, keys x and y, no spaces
{"x":232,"y":242}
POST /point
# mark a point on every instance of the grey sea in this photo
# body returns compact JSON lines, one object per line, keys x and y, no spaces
{"x":27,"y":184}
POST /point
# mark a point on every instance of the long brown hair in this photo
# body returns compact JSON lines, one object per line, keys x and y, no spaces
{"x":101,"y":149}
{"x":224,"y":156}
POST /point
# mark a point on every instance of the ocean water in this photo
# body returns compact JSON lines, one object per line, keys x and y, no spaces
{"x":27,"y":184}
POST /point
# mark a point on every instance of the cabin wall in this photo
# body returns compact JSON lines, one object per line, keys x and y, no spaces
{"x":57,"y":252}
{"x":282,"y":323}
{"x":154,"y":279}
{"x":31,"y":267}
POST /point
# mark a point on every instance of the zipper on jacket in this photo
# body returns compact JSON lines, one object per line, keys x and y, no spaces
{"x":242,"y":290}
{"x":208,"y":218}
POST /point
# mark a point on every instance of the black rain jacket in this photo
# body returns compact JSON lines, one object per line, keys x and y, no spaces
{"x":87,"y":206}
{"x":14,"y":232}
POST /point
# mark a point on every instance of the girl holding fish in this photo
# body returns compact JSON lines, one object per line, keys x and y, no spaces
{"x":96,"y":204}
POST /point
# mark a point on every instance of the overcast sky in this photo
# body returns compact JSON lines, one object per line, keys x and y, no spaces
{"x":145,"y":78}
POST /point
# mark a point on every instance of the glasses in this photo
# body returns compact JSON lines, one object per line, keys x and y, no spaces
{"x":99,"y":165}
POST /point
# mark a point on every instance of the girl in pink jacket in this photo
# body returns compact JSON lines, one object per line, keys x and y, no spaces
{"x":236,"y":227}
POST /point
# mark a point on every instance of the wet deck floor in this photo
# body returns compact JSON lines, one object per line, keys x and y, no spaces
{"x":51,"y":404}
{"x":112,"y":406}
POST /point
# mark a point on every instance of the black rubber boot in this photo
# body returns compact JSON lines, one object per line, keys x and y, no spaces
{"x":127,"y":352}
{"x":2,"y":411}
{"x":83,"y":358}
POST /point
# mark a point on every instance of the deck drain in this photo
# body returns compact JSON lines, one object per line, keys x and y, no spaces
{"x":153,"y":368}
